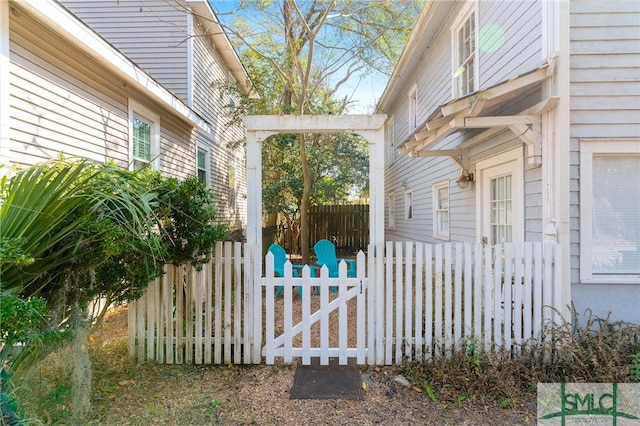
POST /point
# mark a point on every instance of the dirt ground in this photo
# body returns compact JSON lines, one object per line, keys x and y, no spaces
{"x":127,"y":393}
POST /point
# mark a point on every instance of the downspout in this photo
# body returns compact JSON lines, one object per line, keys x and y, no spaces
{"x":190,"y":57}
{"x":5,"y":95}
{"x":556,"y":148}
{"x":562,"y":149}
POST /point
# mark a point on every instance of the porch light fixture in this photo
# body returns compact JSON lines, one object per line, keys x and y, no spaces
{"x":465,"y":178}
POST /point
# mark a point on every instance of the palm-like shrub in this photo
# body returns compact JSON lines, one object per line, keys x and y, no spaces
{"x":73,"y":231}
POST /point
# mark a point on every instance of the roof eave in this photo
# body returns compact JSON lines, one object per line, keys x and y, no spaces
{"x":67,"y":25}
{"x":425,"y":30}
{"x":223,"y":45}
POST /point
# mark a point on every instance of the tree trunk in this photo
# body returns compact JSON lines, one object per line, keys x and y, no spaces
{"x":304,"y":205}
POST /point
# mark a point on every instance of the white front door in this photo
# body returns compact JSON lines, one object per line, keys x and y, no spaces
{"x":500,"y":199}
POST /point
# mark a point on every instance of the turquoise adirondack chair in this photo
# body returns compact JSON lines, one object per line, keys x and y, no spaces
{"x":326,"y":254}
{"x":279,"y":259}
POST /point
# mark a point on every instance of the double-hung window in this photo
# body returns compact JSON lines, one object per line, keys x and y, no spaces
{"x":441,"y":210}
{"x":391,"y":208}
{"x":144,"y":137}
{"x":412,"y":114}
{"x":390,"y":140}
{"x":609,"y":206}
{"x":408,"y":204}
{"x":465,"y":58}
{"x":202,"y":164}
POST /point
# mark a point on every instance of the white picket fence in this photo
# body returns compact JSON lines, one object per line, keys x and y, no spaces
{"x":411,"y":301}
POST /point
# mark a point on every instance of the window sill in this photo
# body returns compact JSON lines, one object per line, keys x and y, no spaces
{"x":628,"y":279}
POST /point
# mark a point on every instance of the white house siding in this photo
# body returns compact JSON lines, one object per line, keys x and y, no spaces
{"x":152,"y":33}
{"x":605,"y":103}
{"x":64,"y":102}
{"x":520,"y":53}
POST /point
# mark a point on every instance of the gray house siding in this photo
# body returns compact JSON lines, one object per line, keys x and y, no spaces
{"x":168,"y":40}
{"x":520,"y":53}
{"x":212,"y":103}
{"x":151,"y":33}
{"x":605,"y":104}
{"x":64,"y":102}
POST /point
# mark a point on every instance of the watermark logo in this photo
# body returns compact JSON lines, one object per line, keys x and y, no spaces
{"x":616,"y":404}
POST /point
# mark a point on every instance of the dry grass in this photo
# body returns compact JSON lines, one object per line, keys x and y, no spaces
{"x":127,"y":393}
{"x":469,"y":388}
{"x":598,"y":351}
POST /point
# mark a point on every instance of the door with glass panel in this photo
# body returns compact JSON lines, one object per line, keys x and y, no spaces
{"x":501,"y":203}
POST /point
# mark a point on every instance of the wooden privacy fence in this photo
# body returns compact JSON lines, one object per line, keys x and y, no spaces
{"x":347,"y":226}
{"x":409,"y":301}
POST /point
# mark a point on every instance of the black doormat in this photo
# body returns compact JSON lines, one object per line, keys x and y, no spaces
{"x":331,"y":381}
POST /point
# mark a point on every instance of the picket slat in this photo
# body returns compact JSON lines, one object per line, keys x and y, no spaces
{"x":399,"y":284}
{"x":208,"y":314}
{"x":448,"y":320}
{"x":487,"y":286}
{"x":437,"y":326}
{"x":189,"y":314}
{"x":388,"y":308}
{"x":196,"y":278}
{"x":361,"y":325}
{"x":428,"y":300}
{"x":419,"y":339}
{"x":217,"y":300}
{"x":342,"y":314}
{"x":413,"y":301}
{"x":324,"y":316}
{"x":408,"y":301}
{"x":306,"y":320}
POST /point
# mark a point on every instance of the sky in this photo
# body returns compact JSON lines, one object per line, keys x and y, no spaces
{"x":364,"y":94}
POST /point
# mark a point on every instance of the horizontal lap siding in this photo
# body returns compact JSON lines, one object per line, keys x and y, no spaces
{"x":433,"y":89}
{"x":152,"y":33}
{"x":62,"y":101}
{"x":59,"y":103}
{"x":520,"y":53}
{"x":209,"y":72}
{"x":177,"y":144}
{"x":605,"y":86}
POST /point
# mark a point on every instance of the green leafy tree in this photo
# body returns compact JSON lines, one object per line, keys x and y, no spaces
{"x":299,"y":55}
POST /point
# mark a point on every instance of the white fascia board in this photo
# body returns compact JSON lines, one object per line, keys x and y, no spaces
{"x":209,"y":20}
{"x":82,"y":36}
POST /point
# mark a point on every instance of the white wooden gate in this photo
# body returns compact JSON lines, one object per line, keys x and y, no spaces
{"x":330,"y":299}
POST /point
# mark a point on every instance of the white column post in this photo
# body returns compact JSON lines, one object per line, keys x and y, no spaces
{"x":254,"y":239}
{"x":376,"y":185}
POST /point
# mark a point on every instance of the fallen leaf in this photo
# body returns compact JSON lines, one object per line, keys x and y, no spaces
{"x":364,"y":386}
{"x":417,"y":389}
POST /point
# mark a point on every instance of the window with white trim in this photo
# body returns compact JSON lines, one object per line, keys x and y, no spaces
{"x":233,"y":186}
{"x":441,"y":210}
{"x":390,"y":138}
{"x":203,"y":164}
{"x":391,"y":209}
{"x":609,"y":206}
{"x":144,"y":137}
{"x":465,"y":57}
{"x":408,"y":204}
{"x":412,"y":115}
